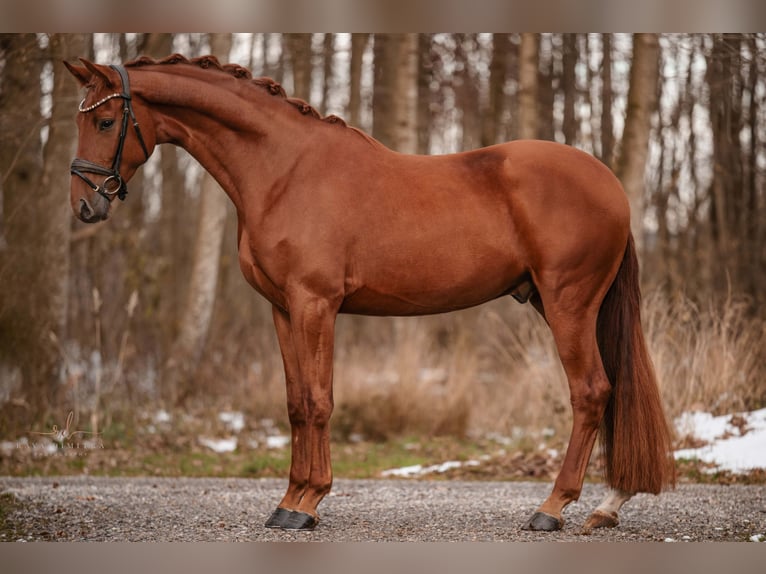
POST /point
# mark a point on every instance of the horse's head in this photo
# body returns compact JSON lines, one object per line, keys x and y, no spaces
{"x":109,"y":150}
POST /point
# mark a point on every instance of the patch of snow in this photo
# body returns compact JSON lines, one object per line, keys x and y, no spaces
{"x":219,"y":444}
{"x":162,"y":416}
{"x":356,"y":437}
{"x":420,"y":470}
{"x":413,"y":470}
{"x":730,"y":448}
{"x":277,"y":441}
{"x":500,"y":439}
{"x":758,"y":538}
{"x":234,"y":420}
{"x":669,"y":540}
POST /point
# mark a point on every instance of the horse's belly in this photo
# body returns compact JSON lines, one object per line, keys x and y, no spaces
{"x":431,"y":286}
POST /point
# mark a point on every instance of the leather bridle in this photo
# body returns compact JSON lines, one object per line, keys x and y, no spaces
{"x":113,"y":184}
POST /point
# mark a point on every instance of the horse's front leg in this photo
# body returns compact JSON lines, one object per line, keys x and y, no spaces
{"x":306,"y":337}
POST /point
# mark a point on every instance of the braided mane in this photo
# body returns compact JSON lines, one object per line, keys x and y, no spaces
{"x":273,"y":87}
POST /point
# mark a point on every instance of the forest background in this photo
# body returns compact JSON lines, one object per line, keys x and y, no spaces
{"x":148,"y":313}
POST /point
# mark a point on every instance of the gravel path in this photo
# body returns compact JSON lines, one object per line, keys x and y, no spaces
{"x":208,"y":509}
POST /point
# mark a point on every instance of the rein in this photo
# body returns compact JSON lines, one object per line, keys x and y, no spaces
{"x":113,"y":184}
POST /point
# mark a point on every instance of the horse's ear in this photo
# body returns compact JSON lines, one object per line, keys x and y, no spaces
{"x":79,"y":72}
{"x":96,"y":71}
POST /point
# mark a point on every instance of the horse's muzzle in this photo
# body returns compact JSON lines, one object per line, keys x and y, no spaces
{"x":90,"y":215}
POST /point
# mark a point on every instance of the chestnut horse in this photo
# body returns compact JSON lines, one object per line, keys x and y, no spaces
{"x":331,"y":221}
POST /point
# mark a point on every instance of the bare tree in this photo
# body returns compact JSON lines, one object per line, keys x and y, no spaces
{"x":358,"y":46}
{"x":328,"y":55}
{"x":395,"y":95}
{"x":569,"y":58}
{"x":55,"y":214}
{"x":496,"y":102}
{"x":425,"y":95}
{"x":630,"y":166}
{"x":36,"y":217}
{"x":300,"y":53}
{"x":607,"y":131}
{"x":528,"y":115}
{"x":467,"y":90}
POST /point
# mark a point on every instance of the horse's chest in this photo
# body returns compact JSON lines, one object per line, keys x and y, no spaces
{"x":258,"y":274}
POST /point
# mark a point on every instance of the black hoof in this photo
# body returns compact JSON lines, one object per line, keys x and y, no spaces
{"x":544,"y":522}
{"x":300,"y":521}
{"x":278,"y":518}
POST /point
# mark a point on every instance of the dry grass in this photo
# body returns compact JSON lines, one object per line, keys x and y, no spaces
{"x":488,"y":370}
{"x":706,"y":357}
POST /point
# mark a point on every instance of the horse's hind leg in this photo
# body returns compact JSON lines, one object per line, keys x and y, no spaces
{"x":605,"y":514}
{"x":572,"y":313}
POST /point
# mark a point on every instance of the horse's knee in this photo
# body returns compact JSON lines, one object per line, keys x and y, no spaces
{"x":320,"y":410}
{"x":296,"y":414}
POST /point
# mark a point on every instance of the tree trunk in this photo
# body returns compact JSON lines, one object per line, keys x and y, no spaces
{"x":198,"y":309}
{"x":358,"y":46}
{"x":27,"y":314}
{"x":328,"y":55}
{"x":548,"y":80}
{"x":528,"y":116}
{"x":467,"y":91}
{"x":395,"y":94}
{"x":642,"y":102}
{"x":569,"y":85}
{"x":300,"y":54}
{"x":607,"y":131}
{"x":493,"y":116}
{"x":728,"y":208}
{"x":425,"y":97}
{"x":756,"y":272}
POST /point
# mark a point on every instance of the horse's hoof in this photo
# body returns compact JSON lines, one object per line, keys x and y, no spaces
{"x":601,"y":519}
{"x":300,"y":521}
{"x":544,"y":522}
{"x":278,"y":518}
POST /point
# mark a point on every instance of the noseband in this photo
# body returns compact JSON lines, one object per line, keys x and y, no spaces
{"x":113,"y":184}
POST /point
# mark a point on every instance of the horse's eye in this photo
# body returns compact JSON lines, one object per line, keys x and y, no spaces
{"x":104,"y":125}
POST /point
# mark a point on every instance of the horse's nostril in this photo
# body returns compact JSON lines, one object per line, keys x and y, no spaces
{"x":86,"y":211}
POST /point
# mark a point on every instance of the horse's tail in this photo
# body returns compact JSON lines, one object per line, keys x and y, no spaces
{"x":635,"y":435}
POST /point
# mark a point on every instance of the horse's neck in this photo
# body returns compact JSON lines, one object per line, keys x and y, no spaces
{"x":232,"y":130}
